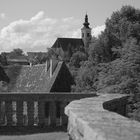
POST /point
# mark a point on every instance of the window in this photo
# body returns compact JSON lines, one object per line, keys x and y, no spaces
{"x":82,"y":34}
{"x":88,"y":35}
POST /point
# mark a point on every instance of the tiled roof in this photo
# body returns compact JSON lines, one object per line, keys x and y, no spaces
{"x":64,"y":43}
{"x":34,"y":78}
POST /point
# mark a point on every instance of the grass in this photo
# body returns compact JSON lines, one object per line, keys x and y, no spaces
{"x":33,"y":133}
{"x":42,"y":136}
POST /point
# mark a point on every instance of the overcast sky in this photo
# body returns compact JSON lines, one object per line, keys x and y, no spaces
{"x":34,"y":25}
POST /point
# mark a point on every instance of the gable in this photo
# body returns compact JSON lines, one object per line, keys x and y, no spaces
{"x":63,"y":81}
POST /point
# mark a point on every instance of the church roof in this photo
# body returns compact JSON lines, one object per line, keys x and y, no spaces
{"x":34,"y":78}
{"x":64,"y":43}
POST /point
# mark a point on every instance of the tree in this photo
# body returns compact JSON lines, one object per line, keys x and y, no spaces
{"x":99,"y":51}
{"x":16,"y":54}
{"x":37,"y":58}
{"x":77,"y":58}
{"x":122,"y":25}
{"x":114,"y":56}
{"x":86,"y":77}
{"x":3,"y":59}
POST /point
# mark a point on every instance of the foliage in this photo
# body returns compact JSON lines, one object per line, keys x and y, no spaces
{"x":16,"y":53}
{"x":37,"y":58}
{"x":114,"y":58}
{"x":77,"y":58}
{"x":113,"y":64}
{"x":86,"y":77}
{"x":99,"y":51}
{"x":3,"y":59}
{"x":122,"y":25}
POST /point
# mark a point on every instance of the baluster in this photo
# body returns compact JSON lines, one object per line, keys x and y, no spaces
{"x":41,"y":113}
{"x":8,"y":105}
{"x":14,"y":112}
{"x":47,"y":110}
{"x":19,"y":113}
{"x":1,"y":113}
{"x":58,"y":112}
{"x":53,"y":113}
{"x":30,"y":109}
{"x":35,"y":113}
{"x":63,"y":116}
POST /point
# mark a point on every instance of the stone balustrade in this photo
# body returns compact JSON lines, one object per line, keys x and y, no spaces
{"x":35,"y":109}
{"x":101,"y":118}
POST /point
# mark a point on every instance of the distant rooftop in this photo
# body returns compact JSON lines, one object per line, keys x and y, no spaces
{"x":34,"y":78}
{"x":64,"y":43}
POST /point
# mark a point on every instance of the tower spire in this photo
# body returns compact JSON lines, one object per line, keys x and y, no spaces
{"x":86,"y":32}
{"x":86,"y":23}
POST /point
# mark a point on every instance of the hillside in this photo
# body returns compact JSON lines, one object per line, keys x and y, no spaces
{"x":113,"y":64}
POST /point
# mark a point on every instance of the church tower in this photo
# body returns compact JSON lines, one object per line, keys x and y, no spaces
{"x":86,"y":32}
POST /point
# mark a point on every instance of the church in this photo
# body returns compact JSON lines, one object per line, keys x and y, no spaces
{"x":65,"y":47}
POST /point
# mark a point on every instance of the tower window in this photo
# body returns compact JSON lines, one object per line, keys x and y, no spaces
{"x":82,"y":34}
{"x":88,"y":35}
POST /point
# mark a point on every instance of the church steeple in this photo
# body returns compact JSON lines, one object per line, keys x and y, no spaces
{"x":86,"y":23}
{"x":86,"y":32}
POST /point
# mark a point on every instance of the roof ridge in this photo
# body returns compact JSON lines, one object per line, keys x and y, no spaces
{"x":37,"y":65}
{"x":51,"y":83}
{"x":32,"y":65}
{"x":68,"y":38}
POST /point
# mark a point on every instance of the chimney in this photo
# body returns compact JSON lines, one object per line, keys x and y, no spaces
{"x":51,"y":68}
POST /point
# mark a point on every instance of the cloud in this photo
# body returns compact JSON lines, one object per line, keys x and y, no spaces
{"x":2,"y":15}
{"x":39,"y":32}
{"x":97,"y":30}
{"x":37,"y":17}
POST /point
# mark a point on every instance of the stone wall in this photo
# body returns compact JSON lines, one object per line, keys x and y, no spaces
{"x":96,"y":119}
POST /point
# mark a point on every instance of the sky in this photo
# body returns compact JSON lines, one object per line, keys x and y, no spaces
{"x":34,"y":25}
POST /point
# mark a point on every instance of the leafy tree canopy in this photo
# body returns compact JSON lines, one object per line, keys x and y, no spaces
{"x":3,"y":59}
{"x":16,"y":53}
{"x":114,"y":58}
